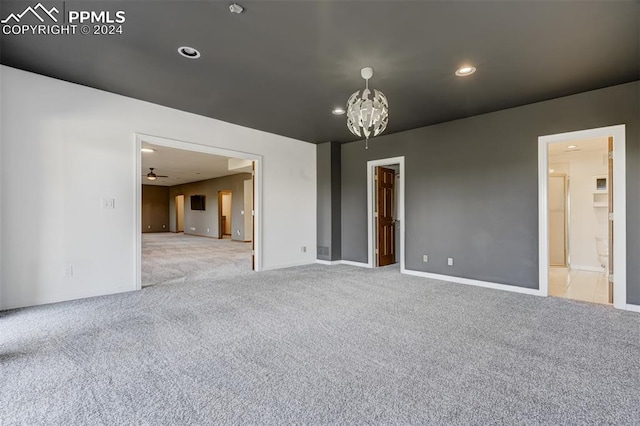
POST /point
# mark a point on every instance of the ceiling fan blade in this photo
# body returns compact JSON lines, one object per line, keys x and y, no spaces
{"x":161,"y":176}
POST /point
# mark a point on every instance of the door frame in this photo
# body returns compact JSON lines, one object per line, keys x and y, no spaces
{"x":619,"y":206}
{"x":139,"y":138}
{"x":371,"y":223}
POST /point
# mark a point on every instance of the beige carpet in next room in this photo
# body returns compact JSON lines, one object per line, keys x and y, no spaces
{"x":170,"y":258}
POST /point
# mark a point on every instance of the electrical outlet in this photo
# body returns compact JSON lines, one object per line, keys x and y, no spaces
{"x":164,"y":226}
{"x":425,"y":258}
{"x":207,"y":229}
{"x":193,"y":228}
{"x":148,"y":226}
{"x":68,"y":271}
{"x":450,"y":261}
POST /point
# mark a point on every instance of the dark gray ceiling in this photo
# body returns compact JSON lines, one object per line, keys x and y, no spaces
{"x":283,"y":65}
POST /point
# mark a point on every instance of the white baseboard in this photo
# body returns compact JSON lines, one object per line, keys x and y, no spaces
{"x":633,"y":308}
{"x":587,"y":268}
{"x":467,"y":281}
{"x":343,"y":262}
{"x":352,"y":263}
{"x":328,"y":262}
{"x":289,"y":265}
{"x":48,"y":301}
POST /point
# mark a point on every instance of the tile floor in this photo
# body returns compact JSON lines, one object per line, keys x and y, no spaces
{"x":575,"y":284}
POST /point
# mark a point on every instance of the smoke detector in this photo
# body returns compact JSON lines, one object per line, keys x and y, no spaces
{"x":236,"y":8}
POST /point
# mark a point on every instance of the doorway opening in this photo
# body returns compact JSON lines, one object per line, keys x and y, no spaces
{"x":579,"y":239}
{"x":193,"y":185}
{"x":179,"y":203}
{"x":582,"y":216}
{"x":385,"y":212}
{"x":224,"y":214}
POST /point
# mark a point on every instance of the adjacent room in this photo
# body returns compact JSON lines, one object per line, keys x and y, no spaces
{"x":579,"y":201}
{"x":197,"y":215}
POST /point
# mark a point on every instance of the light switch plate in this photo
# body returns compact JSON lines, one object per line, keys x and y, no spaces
{"x":108,"y":203}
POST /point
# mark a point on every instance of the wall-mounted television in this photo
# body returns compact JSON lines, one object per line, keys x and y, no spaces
{"x":198,"y":202}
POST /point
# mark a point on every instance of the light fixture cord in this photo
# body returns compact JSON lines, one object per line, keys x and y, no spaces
{"x":366,"y":140}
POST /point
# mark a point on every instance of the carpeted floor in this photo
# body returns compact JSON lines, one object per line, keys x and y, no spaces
{"x":168,"y":257}
{"x":319,"y":345}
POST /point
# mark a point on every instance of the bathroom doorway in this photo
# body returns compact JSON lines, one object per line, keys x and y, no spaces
{"x":579,"y":227}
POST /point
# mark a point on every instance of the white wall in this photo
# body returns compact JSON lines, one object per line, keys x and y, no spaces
{"x":585,"y":221}
{"x":65,"y":147}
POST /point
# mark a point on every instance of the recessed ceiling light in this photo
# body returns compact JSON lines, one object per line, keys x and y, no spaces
{"x":338,"y":111}
{"x":189,"y":52}
{"x":551,"y":170}
{"x":465,"y":70}
{"x":572,"y":146}
{"x":236,"y":8}
{"x":147,"y":150}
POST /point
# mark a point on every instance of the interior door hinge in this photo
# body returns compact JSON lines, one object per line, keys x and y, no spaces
{"x":610,"y":155}
{"x":611,"y":216}
{"x":376,"y":251}
{"x":610,"y":278}
{"x":253,"y":212}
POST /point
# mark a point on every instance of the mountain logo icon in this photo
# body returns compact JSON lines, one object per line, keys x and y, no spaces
{"x":34,"y":11}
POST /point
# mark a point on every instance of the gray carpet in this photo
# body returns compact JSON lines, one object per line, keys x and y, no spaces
{"x":319,"y":345}
{"x":169,"y":257}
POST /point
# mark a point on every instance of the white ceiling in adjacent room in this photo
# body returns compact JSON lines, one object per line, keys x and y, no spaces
{"x":594,"y":144}
{"x":182,"y":166}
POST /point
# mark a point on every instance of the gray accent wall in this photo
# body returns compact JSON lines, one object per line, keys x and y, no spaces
{"x":472,"y":186}
{"x":205,"y":222}
{"x":329,"y":201}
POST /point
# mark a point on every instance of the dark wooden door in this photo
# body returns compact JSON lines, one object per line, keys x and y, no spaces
{"x":386,"y":191}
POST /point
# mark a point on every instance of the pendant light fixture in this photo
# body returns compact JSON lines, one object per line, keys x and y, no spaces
{"x":367,"y":111}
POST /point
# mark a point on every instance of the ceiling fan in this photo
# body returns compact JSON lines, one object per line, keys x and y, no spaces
{"x":152,"y":176}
